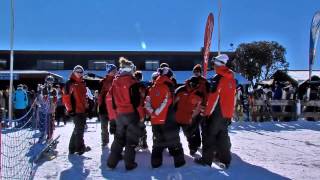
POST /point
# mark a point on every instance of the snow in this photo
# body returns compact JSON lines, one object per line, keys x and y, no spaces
{"x":269,"y":150}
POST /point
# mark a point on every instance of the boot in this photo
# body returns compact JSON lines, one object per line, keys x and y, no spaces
{"x":85,"y":149}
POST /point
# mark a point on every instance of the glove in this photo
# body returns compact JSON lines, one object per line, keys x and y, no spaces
{"x":229,"y":122}
{"x":71,"y":113}
{"x":113,"y":127}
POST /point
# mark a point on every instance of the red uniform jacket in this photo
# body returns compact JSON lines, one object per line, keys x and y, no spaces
{"x":203,"y":88}
{"x":124,"y":97}
{"x":159,"y":99}
{"x":106,"y":85}
{"x":188,"y":101}
{"x":74,"y":98}
{"x":225,"y":93}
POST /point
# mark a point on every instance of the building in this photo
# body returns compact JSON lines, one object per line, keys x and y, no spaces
{"x":96,"y":60}
{"x":62,"y":62}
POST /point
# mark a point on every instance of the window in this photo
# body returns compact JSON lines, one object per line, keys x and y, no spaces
{"x":152,"y":65}
{"x":99,"y":64}
{"x":50,"y":64}
{"x":3,"y":63}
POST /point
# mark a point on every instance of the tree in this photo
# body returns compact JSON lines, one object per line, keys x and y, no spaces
{"x":259,"y":60}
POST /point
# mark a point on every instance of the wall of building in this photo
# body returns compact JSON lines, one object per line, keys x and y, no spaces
{"x":50,"y":60}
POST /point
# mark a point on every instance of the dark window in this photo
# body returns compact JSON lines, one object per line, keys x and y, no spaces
{"x":99,"y":64}
{"x":50,"y":64}
{"x":3,"y":64}
{"x":152,"y":65}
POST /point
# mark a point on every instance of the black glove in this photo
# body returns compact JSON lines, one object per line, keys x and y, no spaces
{"x":71,"y":113}
{"x":112,"y":127}
{"x":229,"y":122}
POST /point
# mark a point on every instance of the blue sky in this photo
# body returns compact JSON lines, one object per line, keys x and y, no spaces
{"x":158,"y":25}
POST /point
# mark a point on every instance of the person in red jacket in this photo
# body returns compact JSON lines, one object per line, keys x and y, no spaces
{"x":203,"y":87}
{"x":106,"y":83}
{"x":187,"y":104}
{"x":194,"y":128}
{"x":218,"y":112}
{"x":125,"y":106}
{"x":143,"y":145}
{"x":165,"y":130}
{"x":76,"y":104}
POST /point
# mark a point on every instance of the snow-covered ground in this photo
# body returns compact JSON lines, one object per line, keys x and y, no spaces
{"x":270,"y":150}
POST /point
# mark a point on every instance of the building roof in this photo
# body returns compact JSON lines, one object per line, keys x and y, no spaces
{"x":302,"y":75}
{"x":23,"y":74}
{"x":123,"y":53}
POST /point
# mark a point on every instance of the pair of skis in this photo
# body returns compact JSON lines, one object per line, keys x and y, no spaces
{"x":48,"y":150}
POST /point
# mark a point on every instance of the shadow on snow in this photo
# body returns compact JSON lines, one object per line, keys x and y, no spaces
{"x":239,"y":169}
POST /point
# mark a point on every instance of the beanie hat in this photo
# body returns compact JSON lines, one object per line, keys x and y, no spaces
{"x":165,"y":72}
{"x":78,"y":68}
{"x":221,"y":60}
{"x":154,"y":75}
{"x":162,"y":65}
{"x":110,"y":68}
{"x":126,"y":65}
{"x":194,"y":82}
{"x":197,"y":68}
{"x":138,"y":75}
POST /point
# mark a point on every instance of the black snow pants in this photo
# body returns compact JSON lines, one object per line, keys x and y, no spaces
{"x":76,"y":143}
{"x":104,"y":128}
{"x":127,"y":135}
{"x":215,"y":138}
{"x":192,"y":133}
{"x":166,"y":136}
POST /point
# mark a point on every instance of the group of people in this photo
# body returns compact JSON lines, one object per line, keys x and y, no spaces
{"x":50,"y":107}
{"x":202,"y":108}
{"x":282,"y":90}
{"x":22,"y":99}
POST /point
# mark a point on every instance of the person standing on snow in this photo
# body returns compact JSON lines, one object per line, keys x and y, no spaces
{"x":187,"y":105}
{"x":20,"y":102}
{"x":165,"y":130}
{"x":106,"y":83}
{"x":218,"y":112}
{"x":47,"y":101}
{"x":125,"y":108}
{"x":202,"y":89}
{"x":76,"y":104}
{"x":60,"y":110}
{"x":143,"y":91}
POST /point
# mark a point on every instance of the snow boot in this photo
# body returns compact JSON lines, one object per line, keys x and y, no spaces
{"x":156,"y":157}
{"x":193,"y":152}
{"x":201,"y":162}
{"x":132,"y":166}
{"x":85,"y":149}
{"x":111,"y":166}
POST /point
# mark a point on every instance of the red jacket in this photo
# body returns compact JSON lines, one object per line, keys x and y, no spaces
{"x":159,"y":99}
{"x":124,"y":97}
{"x":203,"y":88}
{"x":106,"y":85}
{"x":225,"y":93}
{"x":74,"y":98}
{"x":188,"y":101}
